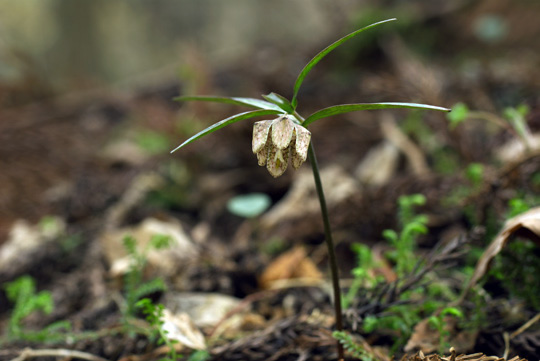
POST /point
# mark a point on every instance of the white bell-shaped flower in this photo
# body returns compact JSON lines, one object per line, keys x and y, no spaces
{"x":276,"y":139}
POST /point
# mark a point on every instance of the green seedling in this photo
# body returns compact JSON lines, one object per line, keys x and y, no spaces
{"x":412,"y":225}
{"x":362,"y":273}
{"x":423,"y":298}
{"x":438,"y":322}
{"x":514,"y":120}
{"x":135,"y":288}
{"x":475,"y":174}
{"x":517,"y":267}
{"x":22,"y":292}
{"x":285,"y":137}
{"x":399,"y":319}
{"x":154,"y":316}
{"x":461,"y":194}
{"x":158,"y":333}
{"x":351,"y":346}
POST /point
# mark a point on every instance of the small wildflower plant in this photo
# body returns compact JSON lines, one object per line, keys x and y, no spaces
{"x":286,"y":136}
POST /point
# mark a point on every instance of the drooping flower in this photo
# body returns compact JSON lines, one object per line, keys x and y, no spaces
{"x":276,"y":139}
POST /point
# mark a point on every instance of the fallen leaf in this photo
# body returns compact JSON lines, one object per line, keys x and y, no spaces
{"x":291,"y":264}
{"x":205,"y":309}
{"x":426,"y":338}
{"x":526,"y":225}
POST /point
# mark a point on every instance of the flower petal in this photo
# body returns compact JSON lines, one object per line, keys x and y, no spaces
{"x":277,"y":161}
{"x":303,"y":137}
{"x":282,"y":132}
{"x":262,"y":155}
{"x":296,"y":160}
{"x":260,"y":134}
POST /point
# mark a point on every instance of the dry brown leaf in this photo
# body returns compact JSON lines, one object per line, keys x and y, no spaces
{"x":525,"y":225}
{"x":291,"y":264}
{"x":427,"y":339}
{"x":424,"y":338}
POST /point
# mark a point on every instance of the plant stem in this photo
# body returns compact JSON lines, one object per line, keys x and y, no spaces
{"x":330,"y":243}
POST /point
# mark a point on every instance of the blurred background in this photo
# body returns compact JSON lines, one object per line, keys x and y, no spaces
{"x":86,"y":87}
{"x":87,"y":84}
{"x":66,"y":46}
{"x":87,"y":121}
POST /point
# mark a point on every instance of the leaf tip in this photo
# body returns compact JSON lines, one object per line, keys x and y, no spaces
{"x":175,"y":149}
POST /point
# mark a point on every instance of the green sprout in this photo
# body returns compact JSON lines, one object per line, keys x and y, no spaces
{"x":514,"y":120}
{"x":438,"y":322}
{"x":287,"y":137}
{"x":353,"y":347}
{"x":412,"y":225}
{"x":135,"y":288}
{"x":154,"y":316}
{"x":22,"y":292}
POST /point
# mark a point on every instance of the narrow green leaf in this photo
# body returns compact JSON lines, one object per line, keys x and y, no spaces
{"x":280,"y":101}
{"x":227,"y":121}
{"x":322,"y":54}
{"x":347,"y":108}
{"x":249,"y":102}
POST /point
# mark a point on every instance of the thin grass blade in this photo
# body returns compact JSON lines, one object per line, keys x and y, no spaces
{"x":347,"y":108}
{"x":249,"y":102}
{"x":228,"y":121}
{"x":322,"y":54}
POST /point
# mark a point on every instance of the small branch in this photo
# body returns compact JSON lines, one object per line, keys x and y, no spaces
{"x":29,"y":353}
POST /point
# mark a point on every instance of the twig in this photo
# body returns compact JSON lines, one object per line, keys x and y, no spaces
{"x":28,"y":353}
{"x":506,"y":345}
{"x":525,"y":326}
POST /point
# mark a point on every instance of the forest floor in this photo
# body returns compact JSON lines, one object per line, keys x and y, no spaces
{"x":82,"y":174}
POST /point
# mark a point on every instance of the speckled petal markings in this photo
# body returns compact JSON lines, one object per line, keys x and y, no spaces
{"x":282,"y":131}
{"x":277,"y":140}
{"x":260,"y":134}
{"x":262,"y":154}
{"x":300,"y":148}
{"x":277,"y":161}
{"x":303,"y":137}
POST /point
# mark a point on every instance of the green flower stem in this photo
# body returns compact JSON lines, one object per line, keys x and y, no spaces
{"x":330,"y":243}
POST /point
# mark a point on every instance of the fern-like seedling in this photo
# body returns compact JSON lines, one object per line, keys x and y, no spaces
{"x":352,"y":347}
{"x":154,"y":316}
{"x":22,"y":292}
{"x":135,"y":287}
